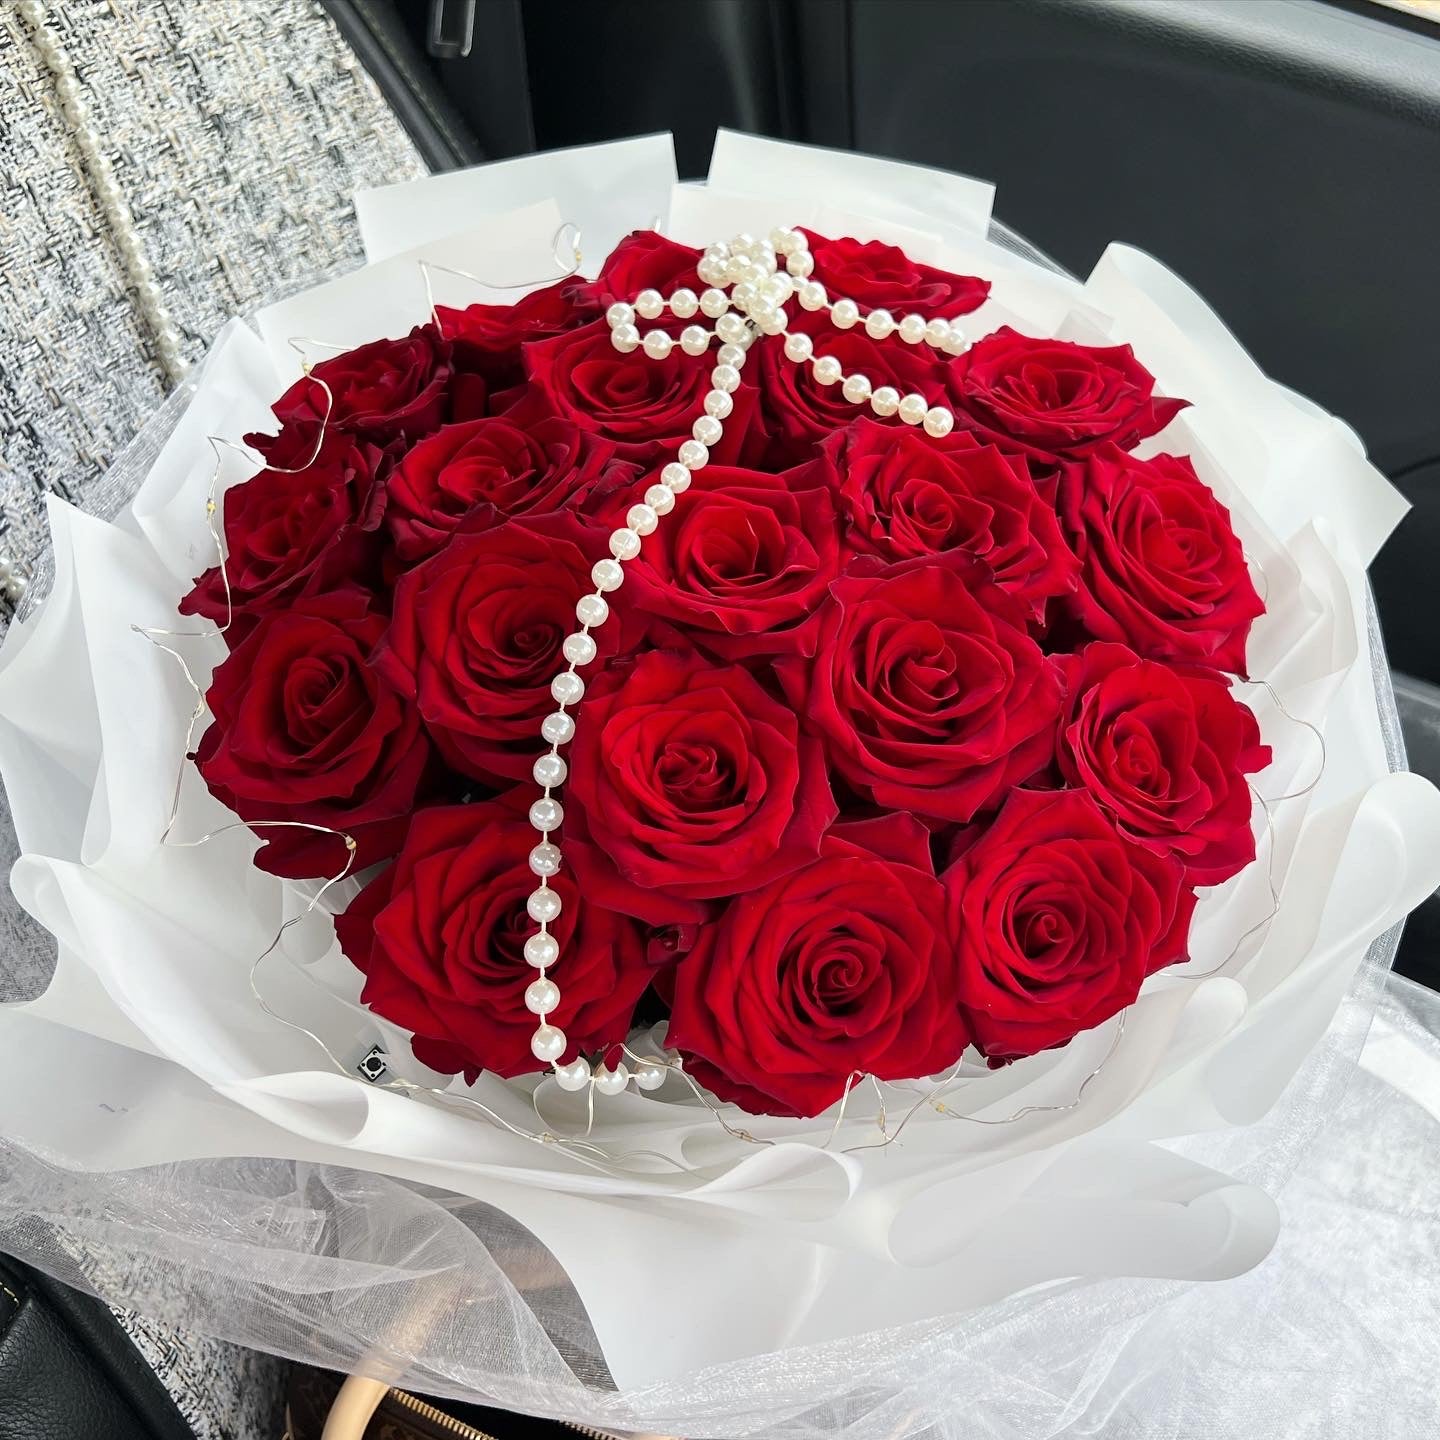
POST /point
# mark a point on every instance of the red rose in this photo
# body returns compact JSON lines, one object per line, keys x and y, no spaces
{"x":288,"y":535}
{"x":689,"y":782}
{"x":741,"y":565}
{"x":482,"y":471}
{"x":799,"y":411}
{"x":1058,"y":919}
{"x":486,"y":339}
{"x":1165,"y":754}
{"x":476,"y":638}
{"x":907,"y":495}
{"x":440,"y":937}
{"x":879,"y":276}
{"x":386,"y":389}
{"x":1161,"y":568}
{"x":643,"y":260}
{"x":645,"y":406}
{"x":306,"y":730}
{"x":927,"y":691}
{"x":1054,"y":398}
{"x":841,"y":969}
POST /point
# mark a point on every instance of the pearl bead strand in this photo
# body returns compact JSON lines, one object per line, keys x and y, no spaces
{"x":542,"y":995}
{"x":111,"y":198}
{"x":758,"y":291}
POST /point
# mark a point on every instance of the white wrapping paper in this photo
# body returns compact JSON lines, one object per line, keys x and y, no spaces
{"x":150,"y":1049}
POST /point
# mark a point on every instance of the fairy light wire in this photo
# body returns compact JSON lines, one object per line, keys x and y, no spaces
{"x":580,"y":1146}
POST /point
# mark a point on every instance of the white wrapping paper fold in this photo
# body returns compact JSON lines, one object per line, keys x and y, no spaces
{"x":149,"y":1047}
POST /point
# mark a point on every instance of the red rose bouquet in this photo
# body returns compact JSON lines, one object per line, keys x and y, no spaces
{"x":836,"y":769}
{"x":913,"y":725}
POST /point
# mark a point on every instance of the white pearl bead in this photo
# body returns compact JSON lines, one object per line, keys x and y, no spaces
{"x":885,"y":401}
{"x":913,"y":408}
{"x":827,"y":370}
{"x":726,"y":378}
{"x":546,"y":814}
{"x":545,"y":857}
{"x":641,"y":519}
{"x":719,"y":404}
{"x":937,"y":332}
{"x":856,"y":389}
{"x":712,"y":271}
{"x":707,"y":429}
{"x":684,"y":303}
{"x":592,"y":610}
{"x":694,"y":455}
{"x":799,"y":347}
{"x":781,"y":286}
{"x":567,"y":688}
{"x":800,"y":264}
{"x":620,"y":314}
{"x":675,"y":477}
{"x":743,"y":242}
{"x":649,"y":303}
{"x":661,"y":499}
{"x":607,"y":574}
{"x":548,"y":1043}
{"x":939,"y":422}
{"x":625,"y":338}
{"x":694,"y":340}
{"x":658,"y":344}
{"x":574,"y":1076}
{"x":649,"y":1075}
{"x":912,"y":329}
{"x":542,"y":950}
{"x":612,"y":1082}
{"x":736,"y":266}
{"x":579,"y":648}
{"x":761,"y":271}
{"x":714,"y":303}
{"x":780,"y":238}
{"x":812,"y":295}
{"x":558,"y":727}
{"x":624,"y":544}
{"x":732,"y":355}
{"x":541,"y":996}
{"x":730,"y":327}
{"x":956,"y":343}
{"x":543,"y":905}
{"x":878,"y":324}
{"x":844,"y":314}
{"x":760,"y":307}
{"x":742,"y":295}
{"x":549,"y":771}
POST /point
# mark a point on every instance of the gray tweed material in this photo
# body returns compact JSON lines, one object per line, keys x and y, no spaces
{"x":239,"y":130}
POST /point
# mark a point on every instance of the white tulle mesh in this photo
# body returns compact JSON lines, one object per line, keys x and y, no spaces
{"x":1327,"y":1337}
{"x":1330,"y":1336}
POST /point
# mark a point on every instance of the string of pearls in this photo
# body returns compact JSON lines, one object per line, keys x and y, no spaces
{"x":113,"y":205}
{"x":747,"y":295}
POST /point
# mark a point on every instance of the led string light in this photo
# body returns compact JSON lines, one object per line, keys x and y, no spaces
{"x":754,"y":305}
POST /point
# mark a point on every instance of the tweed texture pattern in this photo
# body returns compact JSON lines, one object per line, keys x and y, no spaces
{"x":238,"y":130}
